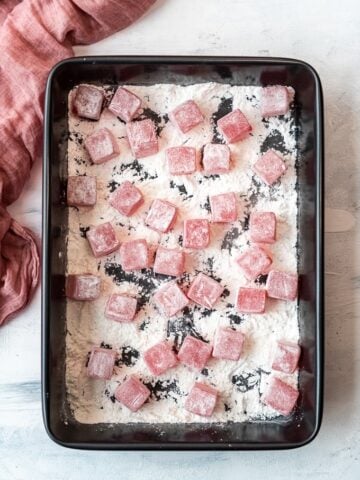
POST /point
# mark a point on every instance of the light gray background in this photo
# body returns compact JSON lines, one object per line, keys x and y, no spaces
{"x":327,"y":35}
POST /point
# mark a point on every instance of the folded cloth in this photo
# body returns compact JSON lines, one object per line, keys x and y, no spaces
{"x":35,"y":35}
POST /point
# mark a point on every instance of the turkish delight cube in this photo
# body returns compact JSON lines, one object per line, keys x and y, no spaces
{"x":234,"y":126}
{"x":126,"y":199}
{"x":88,"y":102}
{"x":205,"y":291}
{"x":186,"y":116}
{"x":134,"y":255}
{"x":280,"y":396}
{"x":81,"y":191}
{"x":275,"y":100}
{"x":270,"y":167}
{"x":101,"y":363}
{"x":201,"y":400}
{"x":228,"y":343}
{"x":194,"y":353}
{"x":102,"y":239}
{"x":223,"y":207}
{"x":102,"y":146}
{"x":159,"y":358}
{"x":142,"y":138}
{"x":83,"y":287}
{"x":254,"y":261}
{"x":125,"y":104}
{"x":251,"y":300}
{"x":181,"y":160}
{"x":132,"y":393}
{"x":282,"y":285}
{"x":170,"y":299}
{"x":286,"y":357}
{"x":161,"y":216}
{"x":216,"y":158}
{"x":169,"y":261}
{"x":262,"y":227}
{"x":196,"y":233}
{"x":120,"y":308}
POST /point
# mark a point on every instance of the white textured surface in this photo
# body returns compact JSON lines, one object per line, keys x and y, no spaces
{"x":326,"y":34}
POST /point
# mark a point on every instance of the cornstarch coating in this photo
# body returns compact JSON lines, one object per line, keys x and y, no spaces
{"x":239,"y":383}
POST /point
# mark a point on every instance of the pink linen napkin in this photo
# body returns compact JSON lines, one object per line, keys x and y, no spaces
{"x":34,"y":36}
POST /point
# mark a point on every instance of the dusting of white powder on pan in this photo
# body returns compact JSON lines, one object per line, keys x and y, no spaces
{"x":241,"y":383}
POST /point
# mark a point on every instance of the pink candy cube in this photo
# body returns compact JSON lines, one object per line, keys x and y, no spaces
{"x":201,"y":400}
{"x":120,"y":308}
{"x":132,"y":393}
{"x":254,"y":262}
{"x":274,"y":101}
{"x":282,"y":285}
{"x":270,"y":167}
{"x":194,"y":353}
{"x":125,"y":104}
{"x":170,"y":299}
{"x":134,"y":255}
{"x":228,"y":343}
{"x":181,"y":160}
{"x":216,"y":158}
{"x":205,"y":291}
{"x":161,"y":216}
{"x":223,"y":207}
{"x":251,"y":300}
{"x":262,"y":227}
{"x":169,"y":261}
{"x":196,"y":234}
{"x":81,"y":191}
{"x":286,"y":357}
{"x":159,"y":358}
{"x":88,"y":102}
{"x":83,"y":287}
{"x":126,"y":199}
{"x":101,"y":363}
{"x":186,"y":116}
{"x":102,"y":239}
{"x":234,"y":126}
{"x":102,"y":146}
{"x":142,"y":138}
{"x":280,"y":396}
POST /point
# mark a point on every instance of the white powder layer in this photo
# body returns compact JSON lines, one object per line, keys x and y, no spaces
{"x":241,"y":383}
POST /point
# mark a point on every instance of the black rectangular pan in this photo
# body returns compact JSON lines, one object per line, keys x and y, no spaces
{"x":302,"y":426}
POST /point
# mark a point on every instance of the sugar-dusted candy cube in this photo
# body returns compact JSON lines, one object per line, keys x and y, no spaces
{"x":282,"y":285}
{"x":216,"y":158}
{"x":101,"y":146}
{"x":161,"y":216}
{"x":132,"y":393}
{"x":254,"y":261}
{"x":274,"y":100}
{"x":125,"y":104}
{"x":83,"y":287}
{"x":88,"y":102}
{"x":280,"y":396}
{"x":205,"y":291}
{"x":134,"y":255}
{"x":196,"y":233}
{"x":101,"y":363}
{"x":160,"y":357}
{"x":181,"y":160}
{"x":234,"y":126}
{"x":223,"y":207}
{"x":102,"y":239}
{"x":169,"y":261}
{"x":251,"y":300}
{"x":120,"y":308}
{"x":286,"y":357}
{"x":228,"y":343}
{"x":142,"y":138}
{"x":262,"y":227}
{"x":126,"y":199}
{"x":81,"y":191}
{"x":170,"y":299}
{"x":186,"y":116}
{"x":201,"y":400}
{"x":270,"y":167}
{"x":194,"y":353}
